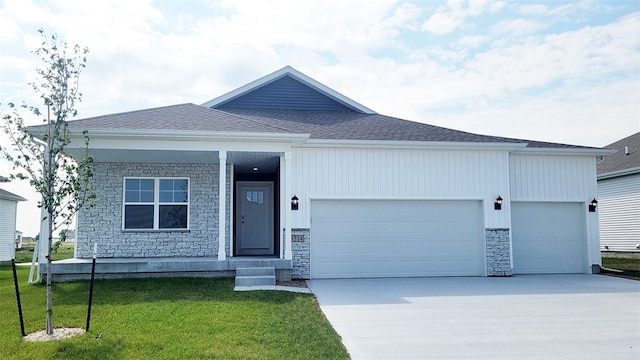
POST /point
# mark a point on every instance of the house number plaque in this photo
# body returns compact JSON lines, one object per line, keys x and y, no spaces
{"x":297,"y":238}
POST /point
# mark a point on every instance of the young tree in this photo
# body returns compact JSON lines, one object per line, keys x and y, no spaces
{"x":40,"y":154}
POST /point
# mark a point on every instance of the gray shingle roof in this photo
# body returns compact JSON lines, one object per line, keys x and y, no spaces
{"x":620,"y":160}
{"x":358,"y":126}
{"x":334,"y":125}
{"x":182,"y":117}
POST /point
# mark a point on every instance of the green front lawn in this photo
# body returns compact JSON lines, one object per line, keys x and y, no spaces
{"x":65,"y":251}
{"x":181,"y":318}
{"x":629,"y":267}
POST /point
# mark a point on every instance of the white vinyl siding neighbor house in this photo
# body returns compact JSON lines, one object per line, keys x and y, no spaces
{"x":287,"y":171}
{"x":619,"y":196}
{"x":8,"y":213}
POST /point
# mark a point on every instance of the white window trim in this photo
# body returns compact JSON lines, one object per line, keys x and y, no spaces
{"x":156,"y":202}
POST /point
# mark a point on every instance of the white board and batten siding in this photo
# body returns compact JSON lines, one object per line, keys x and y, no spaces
{"x":8,"y":210}
{"x":619,"y":211}
{"x":400,"y":174}
{"x":552,"y":232}
{"x":552,"y":178}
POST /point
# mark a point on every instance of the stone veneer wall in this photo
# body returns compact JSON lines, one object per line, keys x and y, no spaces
{"x":103,"y":223}
{"x":498,"y":252}
{"x":301,"y":255}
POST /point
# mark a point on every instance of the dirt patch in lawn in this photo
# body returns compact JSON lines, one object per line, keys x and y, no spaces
{"x":58,"y":334}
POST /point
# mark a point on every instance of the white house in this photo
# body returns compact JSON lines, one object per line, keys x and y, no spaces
{"x":287,"y":171}
{"x":619,"y":196}
{"x":8,"y":211}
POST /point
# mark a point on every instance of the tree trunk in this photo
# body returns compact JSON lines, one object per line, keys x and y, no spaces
{"x":49,"y":302}
{"x":48,"y":174}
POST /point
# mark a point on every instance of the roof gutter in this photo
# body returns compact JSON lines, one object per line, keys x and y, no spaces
{"x":400,"y":144}
{"x":190,"y":135}
{"x":618,"y":173}
{"x":565,"y":151}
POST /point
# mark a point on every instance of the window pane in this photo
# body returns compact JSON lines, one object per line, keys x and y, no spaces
{"x":166,"y":196}
{"x":132,"y":184}
{"x":255,"y":197}
{"x":166,"y":184}
{"x":139,"y":190}
{"x":174,"y":190}
{"x":173,"y":217}
{"x":138,"y":217}
{"x":146,"y":196}
{"x":181,"y":184}
{"x":146,"y":184}
{"x":180,"y":196}
{"x":132,"y":196}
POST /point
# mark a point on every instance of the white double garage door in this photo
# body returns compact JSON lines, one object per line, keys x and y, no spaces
{"x":405,"y":238}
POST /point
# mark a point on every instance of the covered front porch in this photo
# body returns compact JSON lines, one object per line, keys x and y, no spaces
{"x":211,"y":165}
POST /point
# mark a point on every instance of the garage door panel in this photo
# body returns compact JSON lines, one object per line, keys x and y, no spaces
{"x":548,"y":238}
{"x":371,"y":238}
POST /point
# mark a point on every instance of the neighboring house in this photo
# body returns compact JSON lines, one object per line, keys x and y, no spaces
{"x":8,"y":211}
{"x":18,"y":240}
{"x":287,"y":170}
{"x":68,"y":235}
{"x":619,"y":196}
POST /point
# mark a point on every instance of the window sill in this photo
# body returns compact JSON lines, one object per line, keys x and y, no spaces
{"x":129,"y":231}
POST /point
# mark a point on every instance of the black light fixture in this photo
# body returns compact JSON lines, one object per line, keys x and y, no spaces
{"x":294,"y":203}
{"x":497,"y":205}
{"x":593,"y":205}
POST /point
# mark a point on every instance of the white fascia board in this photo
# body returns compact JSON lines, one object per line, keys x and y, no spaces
{"x":624,"y":172}
{"x":414,"y":144}
{"x":564,"y":151}
{"x":288,"y":70}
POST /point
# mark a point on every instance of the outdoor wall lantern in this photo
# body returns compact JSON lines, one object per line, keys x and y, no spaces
{"x":294,"y":203}
{"x":497,"y":205}
{"x":592,"y":205}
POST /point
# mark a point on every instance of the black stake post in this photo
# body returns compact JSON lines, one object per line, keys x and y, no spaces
{"x":15,"y":282}
{"x":93,"y":272}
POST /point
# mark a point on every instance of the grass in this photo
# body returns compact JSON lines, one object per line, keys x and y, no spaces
{"x":183,"y":318}
{"x":65,"y":251}
{"x":629,"y":267}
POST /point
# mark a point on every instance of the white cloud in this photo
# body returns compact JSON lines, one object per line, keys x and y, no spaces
{"x":472,"y":41}
{"x":453,"y":16}
{"x":532,"y":9}
{"x":518,"y":27}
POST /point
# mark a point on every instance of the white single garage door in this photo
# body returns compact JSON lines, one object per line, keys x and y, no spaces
{"x":396,"y":238}
{"x":548,"y":238}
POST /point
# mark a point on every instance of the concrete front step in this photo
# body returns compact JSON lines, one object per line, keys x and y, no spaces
{"x":256,"y":271}
{"x":258,"y":276}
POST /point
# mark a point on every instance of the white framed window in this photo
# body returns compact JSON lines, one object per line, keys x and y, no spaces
{"x":155,"y":203}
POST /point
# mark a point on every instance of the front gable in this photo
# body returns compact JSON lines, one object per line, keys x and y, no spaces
{"x":285,"y":93}
{"x":286,"y":89}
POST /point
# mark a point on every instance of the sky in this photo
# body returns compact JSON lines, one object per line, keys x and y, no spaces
{"x":558,"y":71}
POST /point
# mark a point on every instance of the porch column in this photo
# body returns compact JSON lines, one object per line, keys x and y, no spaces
{"x":288,"y":254}
{"x":222,"y":206}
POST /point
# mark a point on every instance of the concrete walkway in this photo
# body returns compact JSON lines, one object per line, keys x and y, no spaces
{"x":522,"y":317}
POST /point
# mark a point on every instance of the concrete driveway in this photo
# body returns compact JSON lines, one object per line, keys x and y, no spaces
{"x":521,"y":317}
